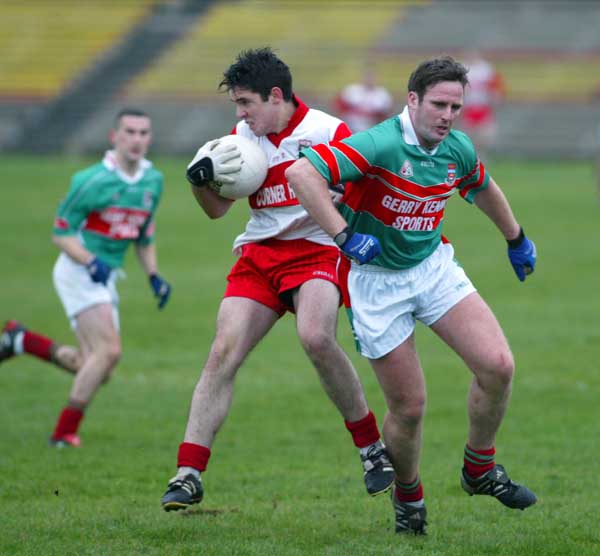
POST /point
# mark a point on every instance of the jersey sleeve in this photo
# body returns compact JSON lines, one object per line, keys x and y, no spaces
{"x":147,"y":232}
{"x":148,"y":228}
{"x":475,"y":177}
{"x":345,"y":160}
{"x":73,"y":209}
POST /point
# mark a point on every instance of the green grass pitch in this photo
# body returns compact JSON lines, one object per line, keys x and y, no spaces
{"x":285,"y":478}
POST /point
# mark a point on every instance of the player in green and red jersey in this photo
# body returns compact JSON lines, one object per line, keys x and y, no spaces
{"x":390,"y":225}
{"x":109,"y":206}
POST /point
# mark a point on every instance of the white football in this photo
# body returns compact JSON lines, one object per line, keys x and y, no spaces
{"x":253,"y":172}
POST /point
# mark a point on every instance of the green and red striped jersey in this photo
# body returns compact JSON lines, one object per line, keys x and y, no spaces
{"x":399,"y":189}
{"x":109,"y":210}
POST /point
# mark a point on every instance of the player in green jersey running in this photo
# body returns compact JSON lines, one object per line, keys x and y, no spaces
{"x":389,"y":224}
{"x":109,"y":206}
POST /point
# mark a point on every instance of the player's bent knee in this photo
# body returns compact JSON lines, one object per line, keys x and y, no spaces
{"x":317,"y":343}
{"x":113,"y":355}
{"x":504,"y":366}
{"x":499,"y":367}
{"x":409,"y":413}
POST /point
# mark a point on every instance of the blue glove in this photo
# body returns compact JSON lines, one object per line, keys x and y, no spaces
{"x":98,"y":270}
{"x":161,"y":289}
{"x":361,"y":248}
{"x":522,"y":255}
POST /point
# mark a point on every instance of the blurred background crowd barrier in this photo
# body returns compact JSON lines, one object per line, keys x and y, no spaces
{"x":67,"y":66}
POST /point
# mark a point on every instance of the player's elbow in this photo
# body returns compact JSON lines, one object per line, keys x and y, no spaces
{"x":297,"y":172}
{"x":58,"y":241}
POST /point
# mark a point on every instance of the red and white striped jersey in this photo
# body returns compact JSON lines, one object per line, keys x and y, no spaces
{"x":275,"y":212}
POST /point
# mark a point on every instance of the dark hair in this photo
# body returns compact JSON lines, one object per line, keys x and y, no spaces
{"x":431,"y":72}
{"x":258,"y":70}
{"x":129,"y":112}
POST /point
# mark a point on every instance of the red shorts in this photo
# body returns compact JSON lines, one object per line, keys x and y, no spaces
{"x":269,"y":271}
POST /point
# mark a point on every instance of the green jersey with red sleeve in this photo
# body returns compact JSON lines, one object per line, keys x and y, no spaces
{"x":398,"y":190}
{"x":109,"y":209}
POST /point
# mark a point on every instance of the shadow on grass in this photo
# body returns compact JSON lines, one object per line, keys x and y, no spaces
{"x":201,"y":512}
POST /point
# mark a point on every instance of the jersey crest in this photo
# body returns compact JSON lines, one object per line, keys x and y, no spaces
{"x":451,"y":177}
{"x":406,"y":170}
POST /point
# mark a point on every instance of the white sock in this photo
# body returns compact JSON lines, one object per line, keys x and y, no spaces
{"x":365,"y":450}
{"x":18,"y":343}
{"x":183,"y":471}
{"x":417,"y":504}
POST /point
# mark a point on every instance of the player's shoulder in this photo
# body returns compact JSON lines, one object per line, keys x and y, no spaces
{"x":389,"y":129}
{"x":153,"y":172}
{"x":381,"y":140}
{"x":316,"y":117}
{"x":460,"y":141}
{"x":89,"y":173}
{"x":318,"y":126}
{"x":461,"y":147}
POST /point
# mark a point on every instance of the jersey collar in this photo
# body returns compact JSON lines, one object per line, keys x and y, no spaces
{"x":297,"y":117}
{"x":110,"y":162}
{"x":409,"y":135}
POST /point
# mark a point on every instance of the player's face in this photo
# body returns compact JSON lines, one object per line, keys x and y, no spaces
{"x":262,"y":116}
{"x":132,"y":138}
{"x":435,"y":115}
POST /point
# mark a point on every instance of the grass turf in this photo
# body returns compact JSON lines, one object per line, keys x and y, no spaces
{"x":284,"y":478}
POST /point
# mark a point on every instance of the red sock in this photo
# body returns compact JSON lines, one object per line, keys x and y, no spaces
{"x":68,"y":422}
{"x":193,"y":455}
{"x":478,"y":462}
{"x":409,"y":492}
{"x":38,"y":345}
{"x":364,"y":432}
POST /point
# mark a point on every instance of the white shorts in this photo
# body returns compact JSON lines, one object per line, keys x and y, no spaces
{"x":77,"y":291}
{"x":385,"y":304}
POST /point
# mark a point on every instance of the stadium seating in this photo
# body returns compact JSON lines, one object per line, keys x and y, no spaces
{"x":323,"y":56}
{"x":543,"y":49}
{"x":46,"y":45}
{"x":547,"y":52}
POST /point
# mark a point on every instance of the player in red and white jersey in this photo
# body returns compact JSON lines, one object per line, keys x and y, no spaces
{"x":286,"y":263}
{"x":362,"y":105}
{"x":274,"y":210}
{"x":482,"y":96}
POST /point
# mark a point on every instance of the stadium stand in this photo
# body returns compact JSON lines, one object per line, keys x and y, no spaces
{"x":167,"y":56}
{"x":55,"y":126}
{"x":321,"y":55}
{"x":52,"y":43}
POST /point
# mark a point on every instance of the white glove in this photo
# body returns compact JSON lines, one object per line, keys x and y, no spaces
{"x":215,"y":163}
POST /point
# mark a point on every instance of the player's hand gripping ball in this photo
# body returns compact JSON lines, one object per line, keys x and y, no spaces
{"x":233,"y":166}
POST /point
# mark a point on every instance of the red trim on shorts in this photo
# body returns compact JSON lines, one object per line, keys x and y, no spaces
{"x":343,"y":271}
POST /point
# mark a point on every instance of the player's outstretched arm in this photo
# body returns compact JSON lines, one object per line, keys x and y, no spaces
{"x":313,"y":193}
{"x":521,"y":250}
